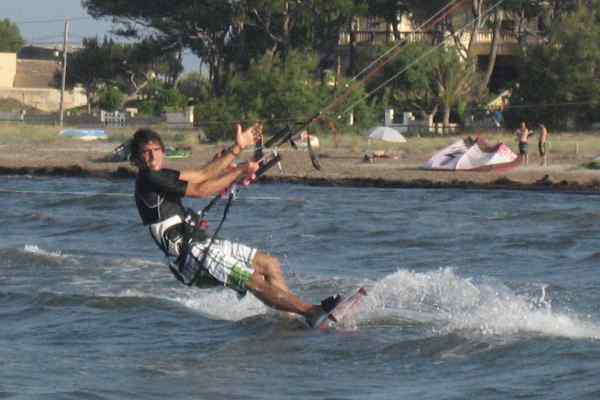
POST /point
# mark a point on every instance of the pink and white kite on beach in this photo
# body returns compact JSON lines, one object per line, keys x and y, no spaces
{"x":473,"y":155}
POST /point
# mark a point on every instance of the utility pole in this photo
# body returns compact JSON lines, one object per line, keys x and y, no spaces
{"x":64,"y":74}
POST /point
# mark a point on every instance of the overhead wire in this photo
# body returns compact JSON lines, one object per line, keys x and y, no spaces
{"x":430,"y":21}
{"x":52,"y":20}
{"x":373,"y":66}
{"x":46,"y":39}
{"x":381,"y":61}
{"x":418,"y":59}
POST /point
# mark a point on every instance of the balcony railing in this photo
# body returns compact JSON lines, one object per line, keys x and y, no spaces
{"x":373,"y":37}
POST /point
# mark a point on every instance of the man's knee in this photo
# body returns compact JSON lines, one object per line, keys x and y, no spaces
{"x":256,"y":283}
{"x":266,"y":264}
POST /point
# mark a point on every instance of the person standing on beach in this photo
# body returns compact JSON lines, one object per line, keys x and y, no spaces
{"x":498,"y":119}
{"x":197,"y":259}
{"x":542,"y":145}
{"x":523,"y":134}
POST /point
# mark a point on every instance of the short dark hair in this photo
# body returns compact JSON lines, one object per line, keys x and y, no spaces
{"x":141,"y":137}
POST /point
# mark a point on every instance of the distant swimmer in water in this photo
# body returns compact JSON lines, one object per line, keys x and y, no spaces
{"x":197,"y":259}
{"x":523,"y":134}
{"x":542,"y":145}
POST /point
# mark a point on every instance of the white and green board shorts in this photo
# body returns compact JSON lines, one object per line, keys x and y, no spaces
{"x":227,"y":263}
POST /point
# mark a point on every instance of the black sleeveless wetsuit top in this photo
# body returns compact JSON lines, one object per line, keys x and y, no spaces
{"x":158,"y":195}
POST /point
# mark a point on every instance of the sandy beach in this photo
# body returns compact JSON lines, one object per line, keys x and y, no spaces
{"x":340,"y":166}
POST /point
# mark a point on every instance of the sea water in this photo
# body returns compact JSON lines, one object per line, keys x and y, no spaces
{"x":472,"y":295}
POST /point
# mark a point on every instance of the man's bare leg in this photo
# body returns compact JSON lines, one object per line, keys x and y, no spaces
{"x":270,"y":268}
{"x":273,"y":296}
{"x":269,"y":285}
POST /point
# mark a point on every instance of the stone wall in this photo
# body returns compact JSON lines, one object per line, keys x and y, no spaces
{"x":37,"y":74}
{"x":33,"y":83}
{"x":47,"y":100}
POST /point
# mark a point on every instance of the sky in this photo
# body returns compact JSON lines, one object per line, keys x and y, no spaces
{"x":43,"y":22}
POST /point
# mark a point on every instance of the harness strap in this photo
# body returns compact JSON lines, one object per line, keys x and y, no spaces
{"x":165,"y":235}
{"x":175,"y":270}
{"x":265,"y":165}
{"x":197,"y":275}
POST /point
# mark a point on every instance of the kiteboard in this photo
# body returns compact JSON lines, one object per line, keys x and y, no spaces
{"x":344,"y":310}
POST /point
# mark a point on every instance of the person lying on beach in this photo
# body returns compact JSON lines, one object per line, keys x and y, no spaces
{"x":370,"y":158}
{"x":198,"y":260}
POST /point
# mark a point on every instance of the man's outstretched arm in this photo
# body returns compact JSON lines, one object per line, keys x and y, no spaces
{"x":220,"y":164}
{"x":211,"y":187}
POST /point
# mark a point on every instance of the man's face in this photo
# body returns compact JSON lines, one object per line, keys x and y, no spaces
{"x":153,"y":156}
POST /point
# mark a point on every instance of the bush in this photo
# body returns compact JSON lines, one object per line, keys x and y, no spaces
{"x":159,"y":98}
{"x":279,"y":95}
{"x":217,"y":118}
{"x":110,"y":99}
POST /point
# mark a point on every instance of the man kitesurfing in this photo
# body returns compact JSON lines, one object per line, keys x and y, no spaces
{"x":198,"y":259}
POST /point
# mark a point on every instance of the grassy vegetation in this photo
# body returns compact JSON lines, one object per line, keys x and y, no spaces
{"x":568,"y":145}
{"x":19,"y":133}
{"x":11,"y":133}
{"x":561,"y":145}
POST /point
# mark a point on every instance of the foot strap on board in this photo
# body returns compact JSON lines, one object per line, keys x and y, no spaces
{"x":328,"y":305}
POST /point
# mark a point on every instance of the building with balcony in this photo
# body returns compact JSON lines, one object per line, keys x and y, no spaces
{"x":371,"y":31}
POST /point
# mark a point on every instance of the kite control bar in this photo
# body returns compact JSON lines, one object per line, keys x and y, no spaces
{"x":265,"y":165}
{"x":286,"y":134}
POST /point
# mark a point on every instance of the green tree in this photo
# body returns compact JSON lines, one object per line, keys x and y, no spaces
{"x":134,"y":65}
{"x":331,"y":19}
{"x":204,"y":26}
{"x":89,"y":67}
{"x":276,"y":93}
{"x":110,"y":98}
{"x":271,"y":91}
{"x":130,"y":67}
{"x":158,"y":97}
{"x":560,"y":79}
{"x":426,"y":79}
{"x":10,"y":37}
{"x":228,"y":35}
{"x":465,"y":20}
{"x":194,"y":86}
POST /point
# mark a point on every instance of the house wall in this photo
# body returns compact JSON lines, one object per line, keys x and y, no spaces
{"x":37,"y":74}
{"x":45,"y":99}
{"x":32,"y":82}
{"x":8,"y":69}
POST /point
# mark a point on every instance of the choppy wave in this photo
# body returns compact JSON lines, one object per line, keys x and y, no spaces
{"x":30,"y":256}
{"x":34,"y":249}
{"x":442,"y":301}
{"x":95,"y":201}
{"x":220,"y":304}
{"x":456,"y":305}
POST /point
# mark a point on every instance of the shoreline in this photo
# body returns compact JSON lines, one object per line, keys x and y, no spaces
{"x":501,"y":183}
{"x":340,"y":167}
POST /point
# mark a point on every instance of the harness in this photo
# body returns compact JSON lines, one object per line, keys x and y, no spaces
{"x":174,"y":235}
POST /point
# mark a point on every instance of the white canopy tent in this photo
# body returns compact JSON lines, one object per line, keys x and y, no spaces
{"x":386,"y":134}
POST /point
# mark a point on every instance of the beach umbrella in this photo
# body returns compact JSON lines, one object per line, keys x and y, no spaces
{"x":386,"y":134}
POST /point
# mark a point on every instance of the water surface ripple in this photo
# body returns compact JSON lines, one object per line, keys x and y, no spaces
{"x":472,"y":294}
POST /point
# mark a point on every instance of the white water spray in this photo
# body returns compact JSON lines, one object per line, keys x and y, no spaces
{"x":454,"y":304}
